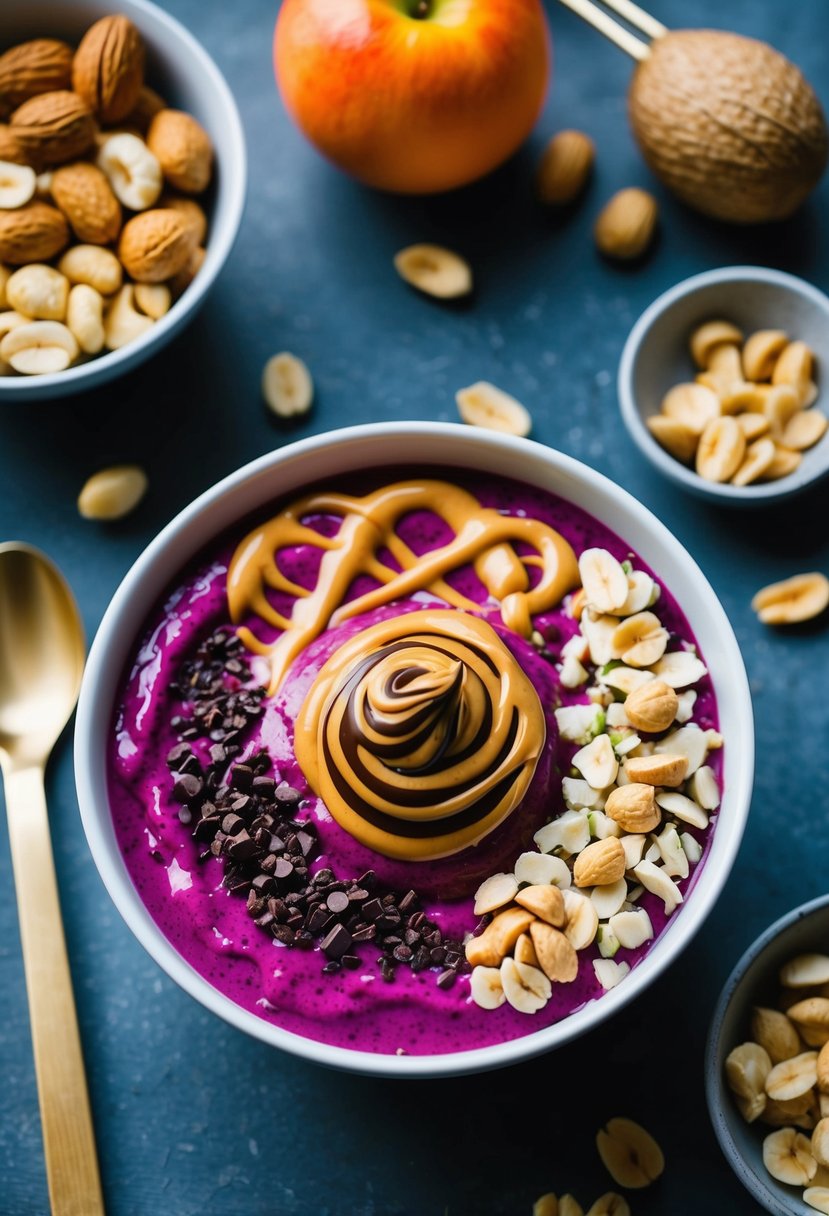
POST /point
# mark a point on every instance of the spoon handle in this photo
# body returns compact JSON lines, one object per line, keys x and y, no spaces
{"x":68,"y":1138}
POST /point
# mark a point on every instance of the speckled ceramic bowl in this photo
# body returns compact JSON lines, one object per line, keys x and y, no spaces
{"x":754,"y":982}
{"x":182,"y":71}
{"x":656,"y":357}
{"x":455,"y":447}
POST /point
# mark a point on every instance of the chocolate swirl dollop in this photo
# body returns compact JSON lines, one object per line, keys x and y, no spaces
{"x":421,"y":734}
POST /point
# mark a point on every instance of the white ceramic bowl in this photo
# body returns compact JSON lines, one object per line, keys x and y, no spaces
{"x":185,"y":75}
{"x":656,"y":357}
{"x":381,"y":445}
{"x":753,"y":981}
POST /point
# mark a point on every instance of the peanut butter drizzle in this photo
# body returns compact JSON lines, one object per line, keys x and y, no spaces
{"x":482,"y":537}
{"x":421,"y":734}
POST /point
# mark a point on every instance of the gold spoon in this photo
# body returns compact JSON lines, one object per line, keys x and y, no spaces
{"x":41,"y":661}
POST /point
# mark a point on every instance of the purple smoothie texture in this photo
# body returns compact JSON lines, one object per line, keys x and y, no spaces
{"x":210,"y":927}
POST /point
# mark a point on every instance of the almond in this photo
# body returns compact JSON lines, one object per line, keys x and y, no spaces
{"x":39,"y":66}
{"x":657,"y":770}
{"x":10,"y":149}
{"x":155,"y":245}
{"x":564,"y":168}
{"x":53,"y":128}
{"x":498,"y":938}
{"x":183,"y":149}
{"x":86,"y":199}
{"x":633,"y":807}
{"x":626,"y":226}
{"x":545,"y":901}
{"x":652,"y":707}
{"x":600,"y":864}
{"x":556,"y":957}
{"x":148,"y":105}
{"x":108,"y":69}
{"x":191,"y":213}
{"x":34,"y":233}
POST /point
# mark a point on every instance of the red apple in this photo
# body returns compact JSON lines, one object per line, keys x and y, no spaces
{"x":414,"y":96}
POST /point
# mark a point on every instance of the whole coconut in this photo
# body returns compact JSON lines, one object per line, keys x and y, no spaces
{"x":728,"y":124}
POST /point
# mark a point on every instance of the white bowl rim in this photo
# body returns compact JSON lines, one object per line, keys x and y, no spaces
{"x":103,"y":368}
{"x":760,"y":492}
{"x":90,"y":774}
{"x":744,"y":1171}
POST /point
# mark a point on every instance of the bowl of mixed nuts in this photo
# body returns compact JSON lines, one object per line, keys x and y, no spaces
{"x":767,"y":1065}
{"x":122,"y":184}
{"x":722,"y":384}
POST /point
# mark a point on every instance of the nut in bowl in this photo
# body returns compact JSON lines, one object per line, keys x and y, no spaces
{"x":122,"y":181}
{"x":766,"y":1064}
{"x":476,"y":832}
{"x":722,"y":384}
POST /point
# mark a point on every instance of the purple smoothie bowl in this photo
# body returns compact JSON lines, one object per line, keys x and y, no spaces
{"x":174,"y":919}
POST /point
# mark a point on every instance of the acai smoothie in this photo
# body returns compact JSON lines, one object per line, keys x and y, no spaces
{"x":415,"y":762}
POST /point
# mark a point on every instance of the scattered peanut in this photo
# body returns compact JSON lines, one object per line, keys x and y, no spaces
{"x":287,"y":386}
{"x":434,"y":270}
{"x":112,"y":493}
{"x":793,"y":600}
{"x":564,"y":168}
{"x":627,"y":225}
{"x":482,"y":404}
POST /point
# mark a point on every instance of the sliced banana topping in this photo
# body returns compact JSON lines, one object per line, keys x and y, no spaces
{"x":630,"y":1154}
{"x":605,"y":582}
{"x":787,"y":1155}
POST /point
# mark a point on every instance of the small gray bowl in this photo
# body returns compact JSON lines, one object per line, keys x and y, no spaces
{"x":656,"y":357}
{"x":754,"y":982}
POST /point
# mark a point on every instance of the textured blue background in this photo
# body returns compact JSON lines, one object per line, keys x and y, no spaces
{"x":193,"y":1117}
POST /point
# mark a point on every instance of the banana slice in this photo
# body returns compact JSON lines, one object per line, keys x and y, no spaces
{"x":485,"y":987}
{"x":776,"y":1034}
{"x":817,"y":1197}
{"x":484,"y":405}
{"x":757,"y":459}
{"x":761,"y":352}
{"x":640,"y":640}
{"x":694,"y":405}
{"x":610,"y":1204}
{"x":540,"y":868}
{"x":753,"y":425}
{"x":787,"y":1155}
{"x":434,"y":270}
{"x":547,"y":1205}
{"x":674,"y":436}
{"x":805,"y":970}
{"x":568,"y":1206}
{"x":630,"y":1154}
{"x":608,"y":899}
{"x":495,"y":892}
{"x":794,"y":599}
{"x":605,"y":582}
{"x":582,"y":922}
{"x":526,"y":988}
{"x":784,"y":463}
{"x":804,"y":429}
{"x":679,"y":668}
{"x":792,"y":1078}
{"x":722,"y":446}
{"x":599,"y":633}
{"x":820,"y":1142}
{"x":707,"y":337}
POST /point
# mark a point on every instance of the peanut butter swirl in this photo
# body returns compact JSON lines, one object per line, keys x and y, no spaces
{"x":365,"y":541}
{"x":421,"y":734}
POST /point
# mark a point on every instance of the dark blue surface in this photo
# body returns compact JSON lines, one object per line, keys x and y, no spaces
{"x":193,"y":1117}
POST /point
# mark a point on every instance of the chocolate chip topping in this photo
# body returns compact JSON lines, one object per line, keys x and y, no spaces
{"x":252,"y":821}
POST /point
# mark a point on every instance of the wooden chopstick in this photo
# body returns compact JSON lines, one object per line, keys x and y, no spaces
{"x":611,"y":29}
